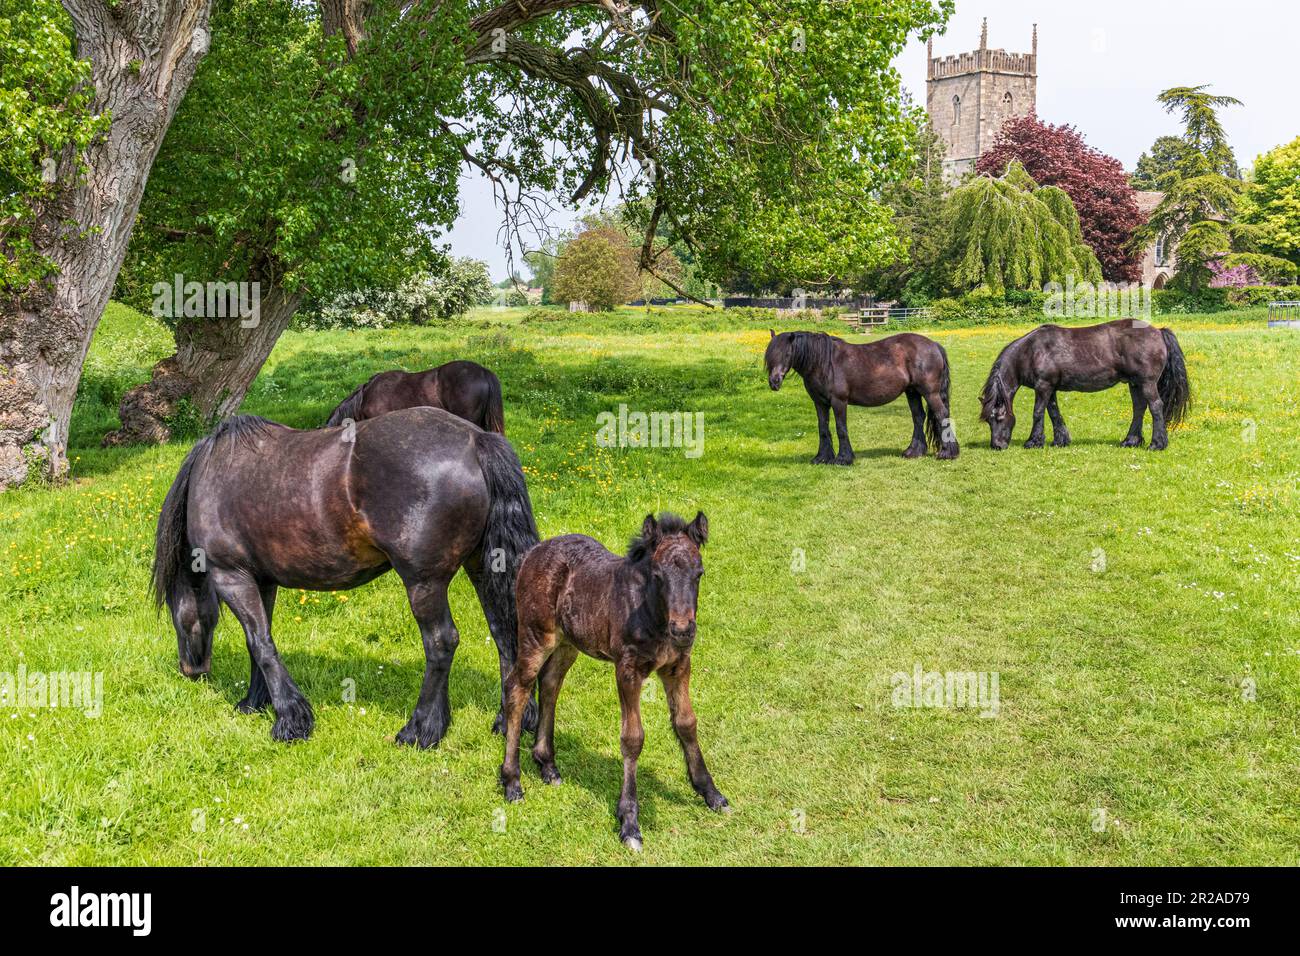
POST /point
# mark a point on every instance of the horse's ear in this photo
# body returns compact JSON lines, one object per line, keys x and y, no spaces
{"x":773,"y":331}
{"x":649,"y":528}
{"x":698,"y":530}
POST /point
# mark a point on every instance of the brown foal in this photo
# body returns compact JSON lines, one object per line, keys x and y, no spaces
{"x":637,"y":612}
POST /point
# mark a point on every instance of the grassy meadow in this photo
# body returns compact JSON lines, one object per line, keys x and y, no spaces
{"x":1141,"y":612}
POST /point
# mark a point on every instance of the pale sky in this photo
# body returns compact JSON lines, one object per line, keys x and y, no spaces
{"x":1100,"y":65}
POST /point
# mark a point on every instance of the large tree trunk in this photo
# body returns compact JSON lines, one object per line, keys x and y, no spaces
{"x":143,"y":55}
{"x":215,"y":363}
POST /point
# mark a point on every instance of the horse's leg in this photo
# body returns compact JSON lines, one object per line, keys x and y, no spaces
{"x":1159,"y":433}
{"x":939,"y":411}
{"x":825,"y":450}
{"x":1134,"y":437}
{"x":631,"y":738}
{"x":841,"y":409}
{"x":1041,"y":394}
{"x":432,"y":713}
{"x":258,"y":697}
{"x":1060,"y":434}
{"x":502,"y":632}
{"x":676,"y":681}
{"x":918,"y":447}
{"x":549,"y":682}
{"x":293,"y":715}
{"x":534,"y":648}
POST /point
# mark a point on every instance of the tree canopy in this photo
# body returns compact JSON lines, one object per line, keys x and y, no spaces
{"x":1096,"y":184}
{"x":1270,"y":208}
{"x":1009,"y":233}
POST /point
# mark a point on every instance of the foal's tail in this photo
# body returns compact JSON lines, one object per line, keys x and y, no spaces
{"x":1175,"y":391}
{"x":187,"y":592}
{"x":494,"y":415}
{"x":934,"y":427}
{"x":510,"y":533}
{"x":350,"y":407}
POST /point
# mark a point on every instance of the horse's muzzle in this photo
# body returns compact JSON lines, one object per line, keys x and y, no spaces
{"x":775,"y":382}
{"x":683,"y":635}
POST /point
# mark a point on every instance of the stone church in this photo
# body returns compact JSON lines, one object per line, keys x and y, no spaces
{"x":970,"y":95}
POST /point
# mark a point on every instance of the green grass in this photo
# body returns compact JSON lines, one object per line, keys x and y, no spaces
{"x":1120,"y":689}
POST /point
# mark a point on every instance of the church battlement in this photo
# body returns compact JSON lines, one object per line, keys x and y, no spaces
{"x":970,"y":95}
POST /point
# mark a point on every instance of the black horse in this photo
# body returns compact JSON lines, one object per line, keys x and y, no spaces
{"x":257,"y":506}
{"x":1053,"y":359}
{"x":838,"y":374}
{"x":466,"y":389}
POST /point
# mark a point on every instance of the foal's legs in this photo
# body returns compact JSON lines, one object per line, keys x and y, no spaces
{"x":432,"y":714}
{"x":841,"y":409}
{"x":1159,"y":433}
{"x":293,"y":715}
{"x":1041,"y":395}
{"x":918,"y":447}
{"x":631,"y":739}
{"x":535,"y":646}
{"x":1134,"y":438}
{"x":258,"y":697}
{"x":676,"y":681}
{"x":825,"y":450}
{"x":549,"y":682}
{"x":1060,"y":434}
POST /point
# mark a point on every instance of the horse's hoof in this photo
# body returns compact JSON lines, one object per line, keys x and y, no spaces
{"x":822,"y":460}
{"x":1160,"y":447}
{"x":514,"y":792}
{"x":1034,"y":443}
{"x":914,"y":452}
{"x":551,"y":776}
{"x":948,"y":454}
{"x":841,"y":460}
{"x":632,"y":843}
{"x":717,"y":802}
{"x":1131,"y":443}
{"x":293,"y":722}
{"x":421,"y":735}
{"x":247,"y":706}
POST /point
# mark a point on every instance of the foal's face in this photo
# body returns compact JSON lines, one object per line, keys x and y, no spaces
{"x":675,"y":572}
{"x":778,"y":360}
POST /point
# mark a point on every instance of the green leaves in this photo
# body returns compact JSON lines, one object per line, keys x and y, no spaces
{"x":45,"y":123}
{"x":1271,"y":205}
{"x":1007,"y":234}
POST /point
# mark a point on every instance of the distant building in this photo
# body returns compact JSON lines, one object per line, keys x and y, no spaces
{"x":970,"y":95}
{"x":1158,"y":260}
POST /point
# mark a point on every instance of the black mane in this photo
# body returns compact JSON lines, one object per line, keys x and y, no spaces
{"x":994,"y":391}
{"x":811,"y":351}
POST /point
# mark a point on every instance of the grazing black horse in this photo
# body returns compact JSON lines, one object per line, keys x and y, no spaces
{"x":1053,"y":359}
{"x":838,"y":374}
{"x":257,"y":506}
{"x":637,"y":612}
{"x":466,"y":389}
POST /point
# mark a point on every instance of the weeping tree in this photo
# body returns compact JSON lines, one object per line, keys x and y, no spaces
{"x":88,"y":90}
{"x":757,"y":133}
{"x":1009,"y":233}
{"x":1198,"y":214}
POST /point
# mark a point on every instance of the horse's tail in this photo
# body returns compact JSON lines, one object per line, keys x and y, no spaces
{"x":494,"y":415}
{"x":510,"y":533}
{"x":934,"y":427}
{"x":187,"y":592}
{"x":1175,"y":391}
{"x":350,"y":407}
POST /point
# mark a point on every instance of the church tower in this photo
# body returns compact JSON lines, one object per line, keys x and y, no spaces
{"x":970,"y":95}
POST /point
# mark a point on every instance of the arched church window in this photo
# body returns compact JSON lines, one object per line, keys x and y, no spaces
{"x":1006,"y":100}
{"x":956,"y":110}
{"x":1160,"y":251}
